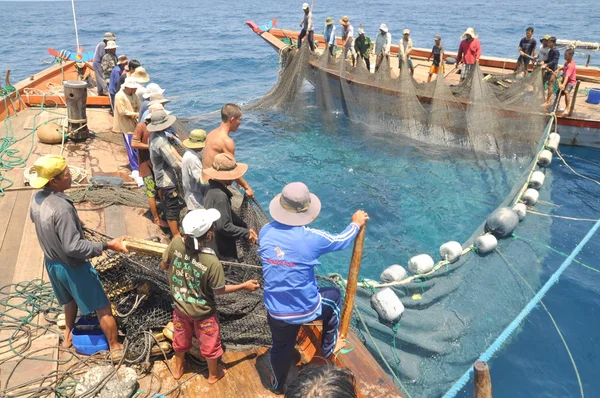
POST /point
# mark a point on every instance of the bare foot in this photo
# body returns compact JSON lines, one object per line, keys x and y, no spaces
{"x":177,"y":370}
{"x":67,"y":343}
{"x":116,"y":347}
{"x":220,"y":374}
{"x":560,"y":114}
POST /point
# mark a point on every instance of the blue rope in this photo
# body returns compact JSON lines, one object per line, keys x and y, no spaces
{"x":497,"y":344}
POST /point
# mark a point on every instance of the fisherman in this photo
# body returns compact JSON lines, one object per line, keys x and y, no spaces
{"x":289,"y":252}
{"x":141,"y":136}
{"x":129,"y":68}
{"x":230,"y":227}
{"x":195,"y":277}
{"x":165,"y":165}
{"x":542,"y":56}
{"x":569,"y":79}
{"x":191,"y":170}
{"x":469,"y":52}
{"x":74,"y":280}
{"x":151,"y":89}
{"x":109,"y":60}
{"x":526,"y":48}
{"x":550,"y":66}
{"x":437,"y":52}
{"x":348,"y":39}
{"x":405,"y":47}
{"x":383,"y":41}
{"x":219,"y":141}
{"x":363,"y":46}
{"x":97,"y":63}
{"x":329,"y":34}
{"x":323,"y":381}
{"x":308,"y":28}
{"x":115,"y":75}
{"x":127,"y":107}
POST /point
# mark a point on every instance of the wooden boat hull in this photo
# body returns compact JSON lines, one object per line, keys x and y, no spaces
{"x":574,"y":131}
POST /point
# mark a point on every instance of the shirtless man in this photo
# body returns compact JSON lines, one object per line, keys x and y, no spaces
{"x":219,"y":141}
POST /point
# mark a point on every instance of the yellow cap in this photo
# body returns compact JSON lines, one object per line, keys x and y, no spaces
{"x":47,"y":167}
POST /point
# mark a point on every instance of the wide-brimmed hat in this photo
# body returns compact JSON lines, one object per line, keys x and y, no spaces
{"x":46,"y":168}
{"x":437,"y":37}
{"x":122,"y":59}
{"x":196,"y":140}
{"x":547,"y":37}
{"x":225,"y":168}
{"x":383,"y":27}
{"x":110,"y":45}
{"x":152,"y":88}
{"x":157,"y":98}
{"x":140,"y":75}
{"x":110,"y":36}
{"x":305,"y":6}
{"x":160,"y":120}
{"x":130,"y":83}
{"x":328,"y":21}
{"x":295,"y":205}
{"x":406,"y":32}
{"x":470,"y":32}
{"x":345,"y":20}
{"x":153,"y":108}
{"x":198,"y":222}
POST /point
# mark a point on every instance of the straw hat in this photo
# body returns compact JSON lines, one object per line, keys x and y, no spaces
{"x":152,"y":88}
{"x":110,"y":36}
{"x":345,"y":20}
{"x":295,"y":205}
{"x":225,"y":168}
{"x":46,"y":168}
{"x":157,"y":98}
{"x":140,"y":75}
{"x":470,"y":32}
{"x":160,"y":120}
{"x":383,"y":27}
{"x":110,"y":45}
{"x":122,"y":59}
{"x":329,"y":21}
{"x":130,"y":83}
{"x":196,"y":140}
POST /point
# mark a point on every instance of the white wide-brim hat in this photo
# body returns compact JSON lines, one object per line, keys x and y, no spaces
{"x":470,"y":32}
{"x":383,"y":27}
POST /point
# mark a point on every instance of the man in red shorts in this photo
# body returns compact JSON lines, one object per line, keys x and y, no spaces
{"x":196,"y":276}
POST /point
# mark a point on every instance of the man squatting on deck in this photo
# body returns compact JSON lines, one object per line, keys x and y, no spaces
{"x":75,"y":282}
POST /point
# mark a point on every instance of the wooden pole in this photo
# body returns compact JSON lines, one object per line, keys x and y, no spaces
{"x":352,"y":282}
{"x":145,"y":247}
{"x":587,"y":63}
{"x":572,"y":107}
{"x":483,"y":381}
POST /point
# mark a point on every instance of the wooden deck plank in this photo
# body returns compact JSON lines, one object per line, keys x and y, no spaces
{"x":115,"y":221}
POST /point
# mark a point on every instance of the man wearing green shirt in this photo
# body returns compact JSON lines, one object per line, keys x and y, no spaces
{"x":363,"y":45}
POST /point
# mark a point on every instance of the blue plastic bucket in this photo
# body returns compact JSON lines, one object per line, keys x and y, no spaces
{"x":593,"y":96}
{"x":89,"y":341}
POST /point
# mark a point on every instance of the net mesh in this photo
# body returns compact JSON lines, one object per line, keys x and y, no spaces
{"x":494,"y":122}
{"x":141,"y":301}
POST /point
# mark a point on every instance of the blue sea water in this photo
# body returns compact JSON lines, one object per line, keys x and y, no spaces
{"x":204,"y":55}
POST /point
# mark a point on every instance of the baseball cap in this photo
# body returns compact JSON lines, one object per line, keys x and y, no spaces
{"x":46,"y":168}
{"x":197,"y":222}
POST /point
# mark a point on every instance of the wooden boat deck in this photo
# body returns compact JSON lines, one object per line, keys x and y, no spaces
{"x":248,"y":371}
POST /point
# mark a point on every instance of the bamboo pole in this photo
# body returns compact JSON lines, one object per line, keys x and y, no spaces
{"x":483,"y":381}
{"x":352,"y":282}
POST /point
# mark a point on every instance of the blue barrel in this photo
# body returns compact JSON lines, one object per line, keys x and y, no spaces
{"x":593,"y":96}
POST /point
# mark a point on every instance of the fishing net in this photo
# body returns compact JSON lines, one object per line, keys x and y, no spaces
{"x":141,"y":301}
{"x":491,"y":124}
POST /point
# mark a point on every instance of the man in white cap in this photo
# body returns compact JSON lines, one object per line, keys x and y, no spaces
{"x":363,"y":46}
{"x":348,"y":39}
{"x":165,"y":165}
{"x":289,"y":251}
{"x":194,"y":188}
{"x":405,"y":47}
{"x":127,"y":107}
{"x":109,"y":60}
{"x":75,"y":282}
{"x":469,"y":52}
{"x":383,"y":42}
{"x":97,"y":63}
{"x":308,"y":28}
{"x":224,"y":170}
{"x":196,"y":277}
{"x":115,"y":75}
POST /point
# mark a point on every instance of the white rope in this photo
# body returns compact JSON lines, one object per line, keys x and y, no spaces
{"x":75,"y":23}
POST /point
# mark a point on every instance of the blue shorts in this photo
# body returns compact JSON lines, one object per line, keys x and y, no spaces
{"x":81,"y":284}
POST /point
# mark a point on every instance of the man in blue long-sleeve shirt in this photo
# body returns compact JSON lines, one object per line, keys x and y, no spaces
{"x":329,"y":34}
{"x":289,"y":252}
